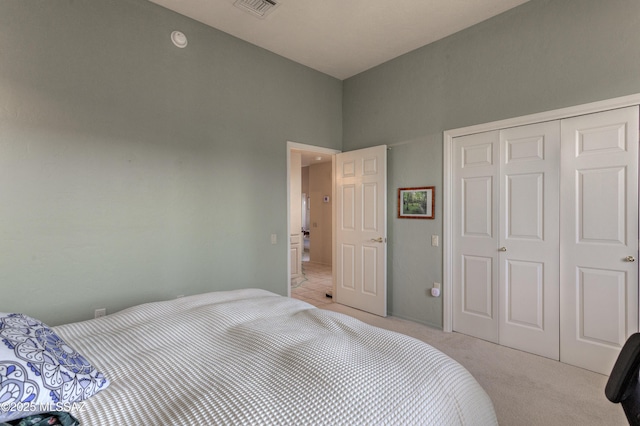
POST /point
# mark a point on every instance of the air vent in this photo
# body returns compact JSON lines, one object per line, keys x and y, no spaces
{"x":260,"y":8}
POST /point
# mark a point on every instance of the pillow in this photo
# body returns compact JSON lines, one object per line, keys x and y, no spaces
{"x":39,"y":372}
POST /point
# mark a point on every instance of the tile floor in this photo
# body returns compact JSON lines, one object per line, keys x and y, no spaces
{"x":313,"y":286}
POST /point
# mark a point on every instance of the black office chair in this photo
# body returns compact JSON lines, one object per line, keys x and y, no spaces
{"x":622,"y":386}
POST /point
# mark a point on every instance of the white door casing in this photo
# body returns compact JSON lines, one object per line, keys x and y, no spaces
{"x":361,"y":229}
{"x":295,"y":216}
{"x":529,"y":312}
{"x":599,"y":218}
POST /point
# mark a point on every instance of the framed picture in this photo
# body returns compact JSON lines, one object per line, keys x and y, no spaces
{"x":416,"y":203}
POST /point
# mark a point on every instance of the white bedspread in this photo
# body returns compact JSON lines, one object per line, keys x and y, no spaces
{"x":253,"y":357}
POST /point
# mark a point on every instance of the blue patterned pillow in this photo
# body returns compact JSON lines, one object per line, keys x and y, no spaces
{"x":39,"y":372}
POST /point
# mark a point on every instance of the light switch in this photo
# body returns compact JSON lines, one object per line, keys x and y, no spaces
{"x":434,"y":240}
{"x":274,"y":239}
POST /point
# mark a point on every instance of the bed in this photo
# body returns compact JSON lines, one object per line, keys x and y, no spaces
{"x":254,"y":357}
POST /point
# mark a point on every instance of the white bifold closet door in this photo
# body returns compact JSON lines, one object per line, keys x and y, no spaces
{"x":545,"y":236}
{"x":475,"y":235}
{"x":506,"y":247}
{"x":529,"y":250}
{"x":599,"y":222}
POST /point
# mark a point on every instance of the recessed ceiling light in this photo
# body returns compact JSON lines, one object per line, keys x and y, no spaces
{"x":179,"y":39}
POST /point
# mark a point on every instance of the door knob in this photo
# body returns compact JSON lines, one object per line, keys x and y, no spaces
{"x":502,"y":249}
{"x":377,"y":240}
{"x":630,"y":259}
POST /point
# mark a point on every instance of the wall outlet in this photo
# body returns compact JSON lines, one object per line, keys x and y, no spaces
{"x":274,"y":239}
{"x":436,"y":285}
{"x":100,"y":312}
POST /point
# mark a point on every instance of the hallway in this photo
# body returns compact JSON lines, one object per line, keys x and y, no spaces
{"x":314,"y":284}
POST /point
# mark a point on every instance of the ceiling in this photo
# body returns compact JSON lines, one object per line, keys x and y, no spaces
{"x":342,"y":38}
{"x":310,"y":158}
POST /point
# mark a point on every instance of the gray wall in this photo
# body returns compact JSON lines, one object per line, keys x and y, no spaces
{"x":131,"y":170}
{"x":543,"y":55}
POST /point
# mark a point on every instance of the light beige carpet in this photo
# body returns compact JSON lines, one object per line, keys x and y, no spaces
{"x":525,"y":389}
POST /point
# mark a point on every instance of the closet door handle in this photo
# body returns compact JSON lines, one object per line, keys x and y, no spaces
{"x":377,"y":240}
{"x":502,"y":249}
{"x":630,"y":259}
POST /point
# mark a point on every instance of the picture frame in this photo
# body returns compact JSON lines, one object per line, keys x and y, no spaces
{"x":416,"y":203}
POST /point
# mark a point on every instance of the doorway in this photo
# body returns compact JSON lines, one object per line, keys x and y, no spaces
{"x":358,"y":224}
{"x":311,"y":218}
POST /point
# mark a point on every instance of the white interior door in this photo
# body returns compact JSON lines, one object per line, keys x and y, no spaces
{"x":361,"y":229}
{"x":599,"y":242}
{"x":475,"y":235}
{"x":529,"y":250}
